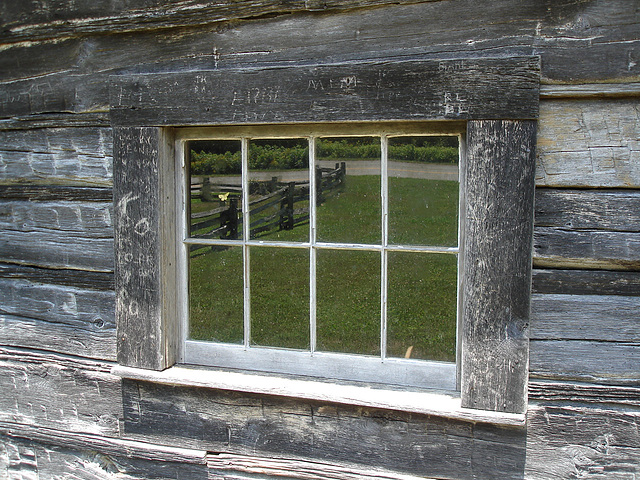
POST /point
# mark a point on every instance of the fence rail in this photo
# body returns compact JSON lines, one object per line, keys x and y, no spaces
{"x":273,"y":205}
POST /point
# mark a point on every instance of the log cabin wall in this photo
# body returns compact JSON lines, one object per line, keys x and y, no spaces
{"x":63,"y":414}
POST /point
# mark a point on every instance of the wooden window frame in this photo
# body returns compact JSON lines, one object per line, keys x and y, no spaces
{"x":495,"y":100}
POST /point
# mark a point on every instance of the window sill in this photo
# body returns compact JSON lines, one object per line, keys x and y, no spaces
{"x":440,"y":404}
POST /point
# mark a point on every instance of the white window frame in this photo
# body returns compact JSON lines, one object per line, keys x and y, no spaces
{"x":340,"y":366}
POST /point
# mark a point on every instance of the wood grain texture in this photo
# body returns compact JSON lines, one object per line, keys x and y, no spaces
{"x":589,"y":143}
{"x":611,"y":318}
{"x":69,"y":156}
{"x":59,"y":276}
{"x":55,"y":192}
{"x":47,"y":453}
{"x":582,"y":442}
{"x":498,"y":220}
{"x":547,"y":391}
{"x":69,"y":394}
{"x":276,"y":427}
{"x":614,"y":363}
{"x":586,"y":282}
{"x":364,"y":91}
{"x":57,"y":318}
{"x":147,"y":329}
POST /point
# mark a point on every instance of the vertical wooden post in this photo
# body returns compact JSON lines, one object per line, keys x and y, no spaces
{"x":145,"y":248}
{"x":319,"y":197}
{"x":500,"y":168}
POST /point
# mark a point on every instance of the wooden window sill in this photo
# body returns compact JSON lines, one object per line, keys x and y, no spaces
{"x":436,"y":403}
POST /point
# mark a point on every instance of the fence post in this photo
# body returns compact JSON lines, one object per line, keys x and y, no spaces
{"x":229,"y":219}
{"x":319,"y":197}
{"x":205,"y":193}
{"x":286,"y":208}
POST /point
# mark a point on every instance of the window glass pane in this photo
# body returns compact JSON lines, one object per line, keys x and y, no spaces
{"x":348,"y":301}
{"x":348,"y":190}
{"x":423,"y":191}
{"x":422,"y":305}
{"x":280,"y":297}
{"x":215,"y":202}
{"x":216,"y":294}
{"x":279,"y":189}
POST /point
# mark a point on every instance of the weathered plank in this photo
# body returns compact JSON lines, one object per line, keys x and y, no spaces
{"x":61,"y":319}
{"x":56,"y":120}
{"x":145,"y":248}
{"x":589,"y":143}
{"x":585,"y":317}
{"x":283,"y":428}
{"x":59,"y":276}
{"x":586,"y":282}
{"x":71,"y":156}
{"x":560,"y":248}
{"x":499,"y":192}
{"x":582,"y":442}
{"x":605,"y":362}
{"x":88,"y":219}
{"x":54,"y":391}
{"x":46,"y":453}
{"x":57,"y":250}
{"x":55,"y":193}
{"x":364,"y":91}
{"x":558,"y":391}
{"x":610,"y":210}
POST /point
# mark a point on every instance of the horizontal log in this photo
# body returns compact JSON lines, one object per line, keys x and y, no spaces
{"x":560,"y":248}
{"x":57,"y":250}
{"x":70,"y":156}
{"x":590,"y":90}
{"x":586,"y":282}
{"x":605,"y":362}
{"x":59,"y":276}
{"x":55,"y":391}
{"x":582,"y":442}
{"x":55,"y":192}
{"x":275,"y":427}
{"x":585,"y":317}
{"x":612,"y":210}
{"x":557,"y":391}
{"x":589,"y":143}
{"x":36,"y":452}
{"x":88,"y":219}
{"x":56,"y":120}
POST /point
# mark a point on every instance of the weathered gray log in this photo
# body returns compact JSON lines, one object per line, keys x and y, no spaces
{"x":585,"y":317}
{"x":582,"y":442}
{"x":586,"y":282}
{"x":55,"y":193}
{"x":59,"y":276}
{"x":55,"y":391}
{"x":229,"y":422}
{"x":589,"y":143}
{"x":146,"y":310}
{"x":56,"y":120}
{"x":31,"y":452}
{"x":561,"y":248}
{"x":609,"y":210}
{"x":499,"y":190}
{"x":71,"y":156}
{"x":606,"y":362}
{"x":558,"y":391}
{"x":364,"y":91}
{"x":62,"y":319}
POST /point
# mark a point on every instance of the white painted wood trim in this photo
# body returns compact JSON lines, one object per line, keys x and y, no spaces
{"x":439,"y":404}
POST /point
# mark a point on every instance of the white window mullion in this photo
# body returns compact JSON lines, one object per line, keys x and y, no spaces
{"x":384,"y":192}
{"x":312,"y":250}
{"x":246,"y":231}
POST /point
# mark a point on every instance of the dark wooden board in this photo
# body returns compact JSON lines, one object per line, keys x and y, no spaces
{"x":562,"y":248}
{"x":606,"y":362}
{"x":363,"y":91}
{"x":546,"y":391}
{"x":611,"y":318}
{"x":586,"y":282}
{"x":609,"y":210}
{"x":499,"y":190}
{"x":274,"y":427}
{"x":582,"y":442}
{"x":55,"y":192}
{"x":67,"y":156}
